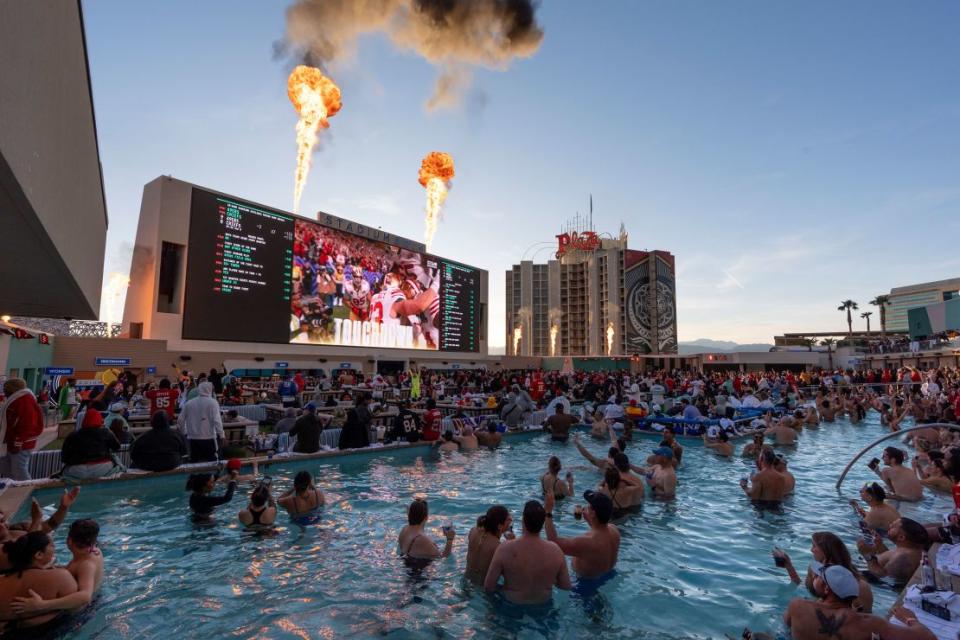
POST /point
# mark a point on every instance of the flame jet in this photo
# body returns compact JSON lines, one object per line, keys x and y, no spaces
{"x":436,"y":171}
{"x":316,"y":98}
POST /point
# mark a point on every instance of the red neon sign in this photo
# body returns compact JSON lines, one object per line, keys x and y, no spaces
{"x":585,"y":241}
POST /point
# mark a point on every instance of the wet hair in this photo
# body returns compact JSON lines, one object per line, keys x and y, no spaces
{"x":83,"y":533}
{"x":768,"y":457}
{"x":621,"y":462}
{"x":301,"y":481}
{"x":534,"y":516}
{"x":160,"y":420}
{"x":621,"y":444}
{"x":417,"y":512}
{"x":198,"y":481}
{"x":723,"y":436}
{"x":493,"y":519}
{"x":554,"y":464}
{"x":895,"y":454}
{"x":20,"y":552}
{"x":448,"y":435}
{"x":914,"y":532}
{"x":611,"y":477}
{"x":260,"y":496}
{"x":612,"y":451}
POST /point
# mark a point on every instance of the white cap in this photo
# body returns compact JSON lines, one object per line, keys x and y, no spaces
{"x":840,"y":580}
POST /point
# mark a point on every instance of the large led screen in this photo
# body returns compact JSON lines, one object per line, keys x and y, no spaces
{"x":259,"y":275}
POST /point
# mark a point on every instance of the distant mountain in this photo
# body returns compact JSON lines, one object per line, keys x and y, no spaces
{"x":705,"y":345}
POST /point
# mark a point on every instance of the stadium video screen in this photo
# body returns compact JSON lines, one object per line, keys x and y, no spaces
{"x":259,"y":275}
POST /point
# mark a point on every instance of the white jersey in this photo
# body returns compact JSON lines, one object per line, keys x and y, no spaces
{"x":357,"y":292}
{"x":381,"y":305}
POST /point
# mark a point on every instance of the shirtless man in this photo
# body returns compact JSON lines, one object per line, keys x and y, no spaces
{"x":447,"y":443}
{"x":31,"y":558}
{"x":753,"y":449}
{"x":530,"y":565}
{"x":594,"y":554}
{"x":909,"y":538}
{"x":783,"y":434}
{"x":661,"y":476}
{"x":790,"y":482}
{"x":86,"y":567}
{"x":559,"y":424}
{"x":832,"y":615}
{"x":902,"y":483}
{"x":881,"y":514}
{"x":467,"y":440}
{"x":767,"y":485}
{"x":827,"y":413}
{"x":491,"y":437}
{"x":721,"y":446}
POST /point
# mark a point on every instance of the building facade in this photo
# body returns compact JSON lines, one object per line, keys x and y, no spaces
{"x":902,"y":299}
{"x":597,"y":297}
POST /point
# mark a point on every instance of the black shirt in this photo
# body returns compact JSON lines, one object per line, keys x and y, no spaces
{"x":406,"y":426}
{"x":203,"y":504}
{"x":158,"y":450}
{"x":307,"y":431}
{"x":89,"y":445}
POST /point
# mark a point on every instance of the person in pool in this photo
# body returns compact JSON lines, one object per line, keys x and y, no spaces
{"x":530,"y":565}
{"x":661,"y":475}
{"x":13,"y":530}
{"x":827,"y":549}
{"x":833,"y":616}
{"x":414,"y":543}
{"x":303,"y":501}
{"x":624,"y":495}
{"x":550,"y":482}
{"x":595,"y":461}
{"x":767,"y":486}
{"x":880,"y":514}
{"x":910,"y":539}
{"x":595,"y":553}
{"x":86,"y":567}
{"x":560,"y":423}
{"x":902,"y":483}
{"x":31,"y":558}
{"x":753,"y":449}
{"x":446,"y":443}
{"x":491,"y":437}
{"x":467,"y":440}
{"x":484,"y":540}
{"x":721,"y":446}
{"x":670,"y":440}
{"x":261,"y":511}
{"x":200,"y":485}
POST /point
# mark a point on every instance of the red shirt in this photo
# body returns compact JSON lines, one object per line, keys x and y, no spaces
{"x":163,"y":400}
{"x":24,"y":424}
{"x":432,"y":424}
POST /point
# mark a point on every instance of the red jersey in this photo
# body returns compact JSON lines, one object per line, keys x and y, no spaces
{"x":163,"y":400}
{"x":432,"y":424}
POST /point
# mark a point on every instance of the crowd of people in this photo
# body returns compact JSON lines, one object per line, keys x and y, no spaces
{"x":525,"y":568}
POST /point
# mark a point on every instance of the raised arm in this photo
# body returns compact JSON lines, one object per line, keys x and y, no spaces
{"x":586,"y":454}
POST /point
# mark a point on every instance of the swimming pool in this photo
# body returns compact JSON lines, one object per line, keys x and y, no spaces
{"x":697,"y":567}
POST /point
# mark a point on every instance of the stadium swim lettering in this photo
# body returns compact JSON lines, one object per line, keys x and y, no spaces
{"x":371,"y":334}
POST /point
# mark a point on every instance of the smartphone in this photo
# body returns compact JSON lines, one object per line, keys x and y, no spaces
{"x":873,"y":464}
{"x":267,"y":480}
{"x":778,"y":558}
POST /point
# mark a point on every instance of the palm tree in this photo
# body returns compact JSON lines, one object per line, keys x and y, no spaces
{"x":848,"y":306}
{"x":828,"y":343}
{"x":809,"y":343}
{"x":881,"y":301}
{"x":866,"y":315}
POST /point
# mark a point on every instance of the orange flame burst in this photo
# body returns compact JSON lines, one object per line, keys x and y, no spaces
{"x":316,"y":98}
{"x":517,"y":334}
{"x":610,"y":333}
{"x":436,"y":171}
{"x":554,"y":330}
{"x":113,"y":294}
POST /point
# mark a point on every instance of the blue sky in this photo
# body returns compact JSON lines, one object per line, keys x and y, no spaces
{"x":790,"y":155}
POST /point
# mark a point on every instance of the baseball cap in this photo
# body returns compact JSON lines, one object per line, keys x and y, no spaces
{"x":602,"y":505}
{"x":840,"y":580}
{"x":666,"y":452}
{"x":310,"y":406}
{"x":118,"y":407}
{"x":233,"y":464}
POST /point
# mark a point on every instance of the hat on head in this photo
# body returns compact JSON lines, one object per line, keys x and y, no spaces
{"x":92,"y":419}
{"x":601,"y":503}
{"x":840,"y":580}
{"x":233,"y":464}
{"x":666,"y":452}
{"x":310,"y":406}
{"x":118,"y":407}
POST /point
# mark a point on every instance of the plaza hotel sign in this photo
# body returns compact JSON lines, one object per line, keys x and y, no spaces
{"x":582,"y":241}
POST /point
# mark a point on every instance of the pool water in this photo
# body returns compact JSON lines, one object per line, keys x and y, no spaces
{"x":696,"y":567}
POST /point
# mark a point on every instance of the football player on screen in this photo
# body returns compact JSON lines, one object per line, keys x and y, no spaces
{"x":356,"y":291}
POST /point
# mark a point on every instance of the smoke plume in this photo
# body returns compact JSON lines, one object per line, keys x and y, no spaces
{"x":451,"y":34}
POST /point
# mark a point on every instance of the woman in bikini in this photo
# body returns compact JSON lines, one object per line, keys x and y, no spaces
{"x":414,"y":542}
{"x":551,"y":482}
{"x":261,"y":512}
{"x":304,"y":501}
{"x":31,"y":558}
{"x":483,"y":540}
